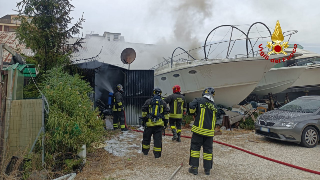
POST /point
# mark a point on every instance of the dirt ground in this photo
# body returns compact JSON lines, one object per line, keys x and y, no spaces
{"x":121,"y":158}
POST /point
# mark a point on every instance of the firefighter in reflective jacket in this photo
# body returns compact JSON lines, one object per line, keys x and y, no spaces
{"x":155,"y":113}
{"x":203,"y":130}
{"x":118,"y":107}
{"x":178,"y":107}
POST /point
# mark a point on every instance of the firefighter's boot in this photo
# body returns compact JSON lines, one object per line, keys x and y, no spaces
{"x":174,"y":132}
{"x":178,"y":139}
{"x":207,"y":171}
{"x":193,"y":170}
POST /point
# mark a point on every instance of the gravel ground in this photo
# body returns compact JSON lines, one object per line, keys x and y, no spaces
{"x":229,"y":163}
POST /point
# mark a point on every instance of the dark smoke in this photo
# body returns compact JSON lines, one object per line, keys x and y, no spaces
{"x":188,"y":17}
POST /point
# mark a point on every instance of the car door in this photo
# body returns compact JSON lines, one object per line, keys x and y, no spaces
{"x":317,"y":118}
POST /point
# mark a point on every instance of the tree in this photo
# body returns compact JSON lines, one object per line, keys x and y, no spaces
{"x":45,"y":30}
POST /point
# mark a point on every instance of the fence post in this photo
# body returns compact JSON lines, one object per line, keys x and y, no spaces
{"x":1,"y":113}
{"x":43,"y":130}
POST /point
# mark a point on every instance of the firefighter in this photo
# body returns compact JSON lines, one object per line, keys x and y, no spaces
{"x":178,"y":107}
{"x":203,"y":130}
{"x":118,"y":109}
{"x":155,"y":114}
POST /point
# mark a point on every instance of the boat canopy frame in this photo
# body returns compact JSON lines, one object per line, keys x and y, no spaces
{"x":247,"y":38}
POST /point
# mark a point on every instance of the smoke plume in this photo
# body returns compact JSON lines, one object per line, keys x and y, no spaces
{"x":189,"y":17}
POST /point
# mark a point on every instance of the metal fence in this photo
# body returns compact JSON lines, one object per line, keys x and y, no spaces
{"x":139,"y":85}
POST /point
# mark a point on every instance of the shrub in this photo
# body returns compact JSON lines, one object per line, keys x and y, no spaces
{"x":72,"y":121}
{"x":187,"y":119}
{"x":248,"y":123}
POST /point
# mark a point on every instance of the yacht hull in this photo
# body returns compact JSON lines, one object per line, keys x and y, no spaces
{"x":233,"y":80}
{"x":310,"y":77}
{"x":278,"y":79}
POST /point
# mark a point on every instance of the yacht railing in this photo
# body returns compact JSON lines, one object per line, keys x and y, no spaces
{"x":231,"y":42}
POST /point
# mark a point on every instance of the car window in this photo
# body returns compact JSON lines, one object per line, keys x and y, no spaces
{"x":302,"y":105}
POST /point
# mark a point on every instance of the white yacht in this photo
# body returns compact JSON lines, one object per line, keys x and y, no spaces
{"x":310,"y":77}
{"x":233,"y":79}
{"x":278,"y":79}
{"x":300,"y":71}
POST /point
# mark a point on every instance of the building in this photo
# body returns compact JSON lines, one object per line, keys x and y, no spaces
{"x":9,"y":23}
{"x":108,"y":36}
{"x":108,"y":47}
{"x":113,"y":36}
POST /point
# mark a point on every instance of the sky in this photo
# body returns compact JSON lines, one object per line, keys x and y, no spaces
{"x":189,"y":21}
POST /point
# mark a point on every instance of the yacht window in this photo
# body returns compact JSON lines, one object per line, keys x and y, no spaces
{"x":192,"y":72}
{"x":163,"y":78}
{"x":176,"y":75}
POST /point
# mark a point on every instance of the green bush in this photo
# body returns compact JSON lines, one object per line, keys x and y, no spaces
{"x":248,"y":123}
{"x":30,"y":91}
{"x":187,"y":119}
{"x":72,"y":121}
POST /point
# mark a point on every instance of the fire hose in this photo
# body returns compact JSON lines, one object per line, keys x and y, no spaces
{"x":246,"y":151}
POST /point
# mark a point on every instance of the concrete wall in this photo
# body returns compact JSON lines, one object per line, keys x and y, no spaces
{"x":23,"y":125}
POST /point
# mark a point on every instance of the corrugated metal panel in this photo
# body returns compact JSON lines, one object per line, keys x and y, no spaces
{"x":138,"y":87}
{"x":23,"y":69}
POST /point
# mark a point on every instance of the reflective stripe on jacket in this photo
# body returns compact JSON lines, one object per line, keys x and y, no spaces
{"x":117,"y":102}
{"x":205,"y":119}
{"x":147,"y":109}
{"x":178,"y":105}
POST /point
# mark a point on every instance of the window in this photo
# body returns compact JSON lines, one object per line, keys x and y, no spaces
{"x":116,"y":36}
{"x":302,"y":105}
{"x":176,"y":75}
{"x":163,"y":78}
{"x":6,"y":28}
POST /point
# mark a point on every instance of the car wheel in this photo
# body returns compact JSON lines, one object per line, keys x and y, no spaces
{"x":309,"y":137}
